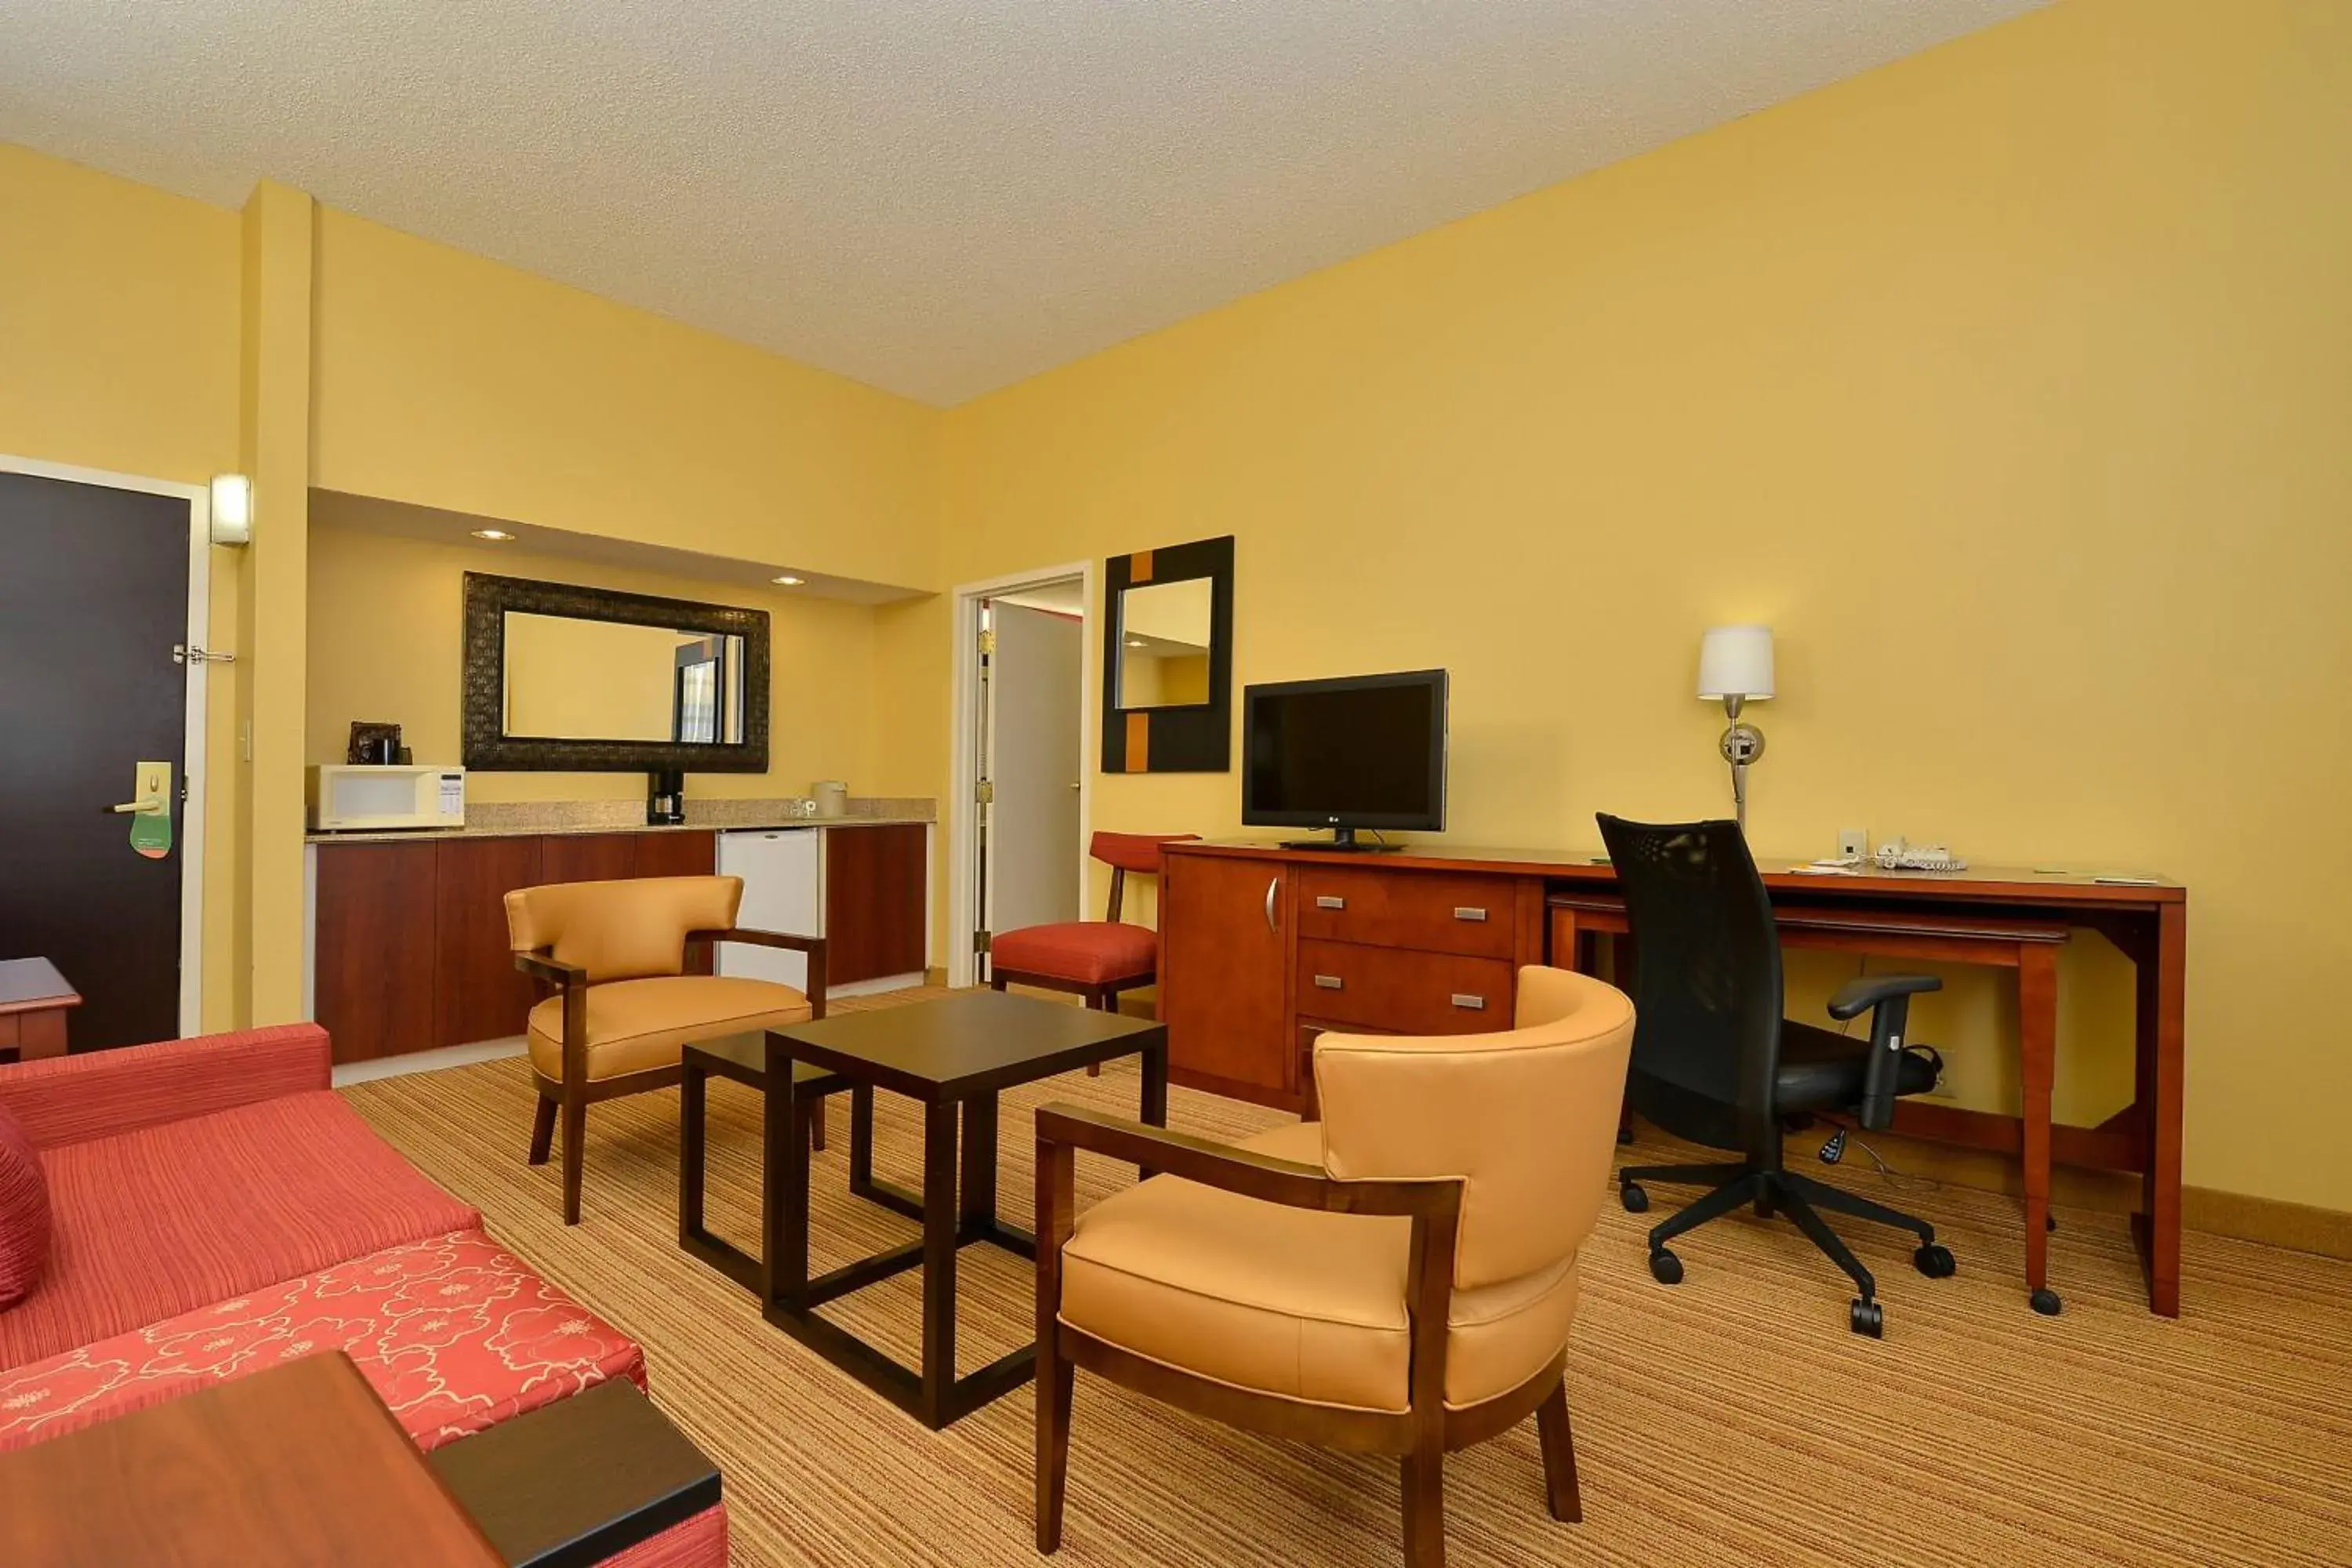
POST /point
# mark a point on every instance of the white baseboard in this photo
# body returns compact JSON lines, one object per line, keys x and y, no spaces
{"x":348,"y":1073}
{"x":869,"y":988}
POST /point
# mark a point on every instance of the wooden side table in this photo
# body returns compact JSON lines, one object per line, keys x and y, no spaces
{"x":297,"y":1466}
{"x":34,"y":1001}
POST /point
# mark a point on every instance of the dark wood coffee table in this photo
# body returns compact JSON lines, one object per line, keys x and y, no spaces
{"x":299,"y":1465}
{"x":955,"y":1055}
{"x":744,"y":1059}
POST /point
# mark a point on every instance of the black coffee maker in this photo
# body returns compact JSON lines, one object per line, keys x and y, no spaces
{"x":665,"y":798}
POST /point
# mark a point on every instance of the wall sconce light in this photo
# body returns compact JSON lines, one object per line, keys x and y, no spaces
{"x":232,"y":508}
{"x":1734,"y":666}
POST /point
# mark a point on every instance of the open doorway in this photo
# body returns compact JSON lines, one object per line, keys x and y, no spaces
{"x":1019,"y":802}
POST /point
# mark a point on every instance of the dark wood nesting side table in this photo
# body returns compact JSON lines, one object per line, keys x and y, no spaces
{"x":33,"y":1002}
{"x":955,"y":1055}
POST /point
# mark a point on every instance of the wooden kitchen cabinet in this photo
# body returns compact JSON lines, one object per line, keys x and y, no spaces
{"x":409,"y":940}
{"x":1227,"y":934}
{"x":374,"y":949}
{"x":478,"y":993}
{"x":877,"y":921}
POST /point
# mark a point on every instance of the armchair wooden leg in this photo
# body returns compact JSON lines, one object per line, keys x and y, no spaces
{"x":1425,"y":1506}
{"x":1558,"y":1457}
{"x":575,"y":1136}
{"x":542,"y":1130}
{"x":1056,"y":1377}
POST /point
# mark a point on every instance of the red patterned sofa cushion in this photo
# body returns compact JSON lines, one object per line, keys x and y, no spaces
{"x":166,"y":1219}
{"x":454,"y":1333}
{"x":1089,"y":952}
{"x":24,"y":1213}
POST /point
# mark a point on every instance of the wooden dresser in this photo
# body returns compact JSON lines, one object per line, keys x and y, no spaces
{"x":1263,"y":949}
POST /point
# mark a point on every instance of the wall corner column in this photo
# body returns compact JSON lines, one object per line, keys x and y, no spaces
{"x":273,"y":648}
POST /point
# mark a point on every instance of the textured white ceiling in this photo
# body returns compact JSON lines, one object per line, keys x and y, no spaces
{"x":937,"y":196}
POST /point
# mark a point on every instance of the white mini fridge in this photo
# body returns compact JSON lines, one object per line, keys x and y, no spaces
{"x":782,"y":870}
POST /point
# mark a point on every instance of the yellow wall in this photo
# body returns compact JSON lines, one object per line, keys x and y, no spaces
{"x":2010,"y":384}
{"x":119,"y":351}
{"x":387,"y":636}
{"x":448,"y":381}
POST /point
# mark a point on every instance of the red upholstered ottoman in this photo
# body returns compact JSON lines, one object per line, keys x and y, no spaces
{"x":454,"y":1333}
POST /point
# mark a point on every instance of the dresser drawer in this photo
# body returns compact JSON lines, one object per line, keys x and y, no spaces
{"x":1434,"y":913}
{"x":1403,"y":992}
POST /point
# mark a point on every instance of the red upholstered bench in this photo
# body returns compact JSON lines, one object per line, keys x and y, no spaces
{"x":1096,"y":959}
{"x":454,"y":1333}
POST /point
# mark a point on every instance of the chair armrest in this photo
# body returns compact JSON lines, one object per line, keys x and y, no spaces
{"x":541,"y":964}
{"x":1290,"y":1182}
{"x":1888,"y":998}
{"x":100,"y":1094}
{"x":1865,"y":992}
{"x":792,"y":941}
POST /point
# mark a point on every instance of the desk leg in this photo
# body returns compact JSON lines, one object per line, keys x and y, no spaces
{"x":940,"y":1227}
{"x":2037,"y":1014}
{"x":977,"y":1211}
{"x":2158,"y":1225}
{"x":784,"y":1183}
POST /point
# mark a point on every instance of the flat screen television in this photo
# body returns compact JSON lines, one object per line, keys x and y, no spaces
{"x":1367,"y":752}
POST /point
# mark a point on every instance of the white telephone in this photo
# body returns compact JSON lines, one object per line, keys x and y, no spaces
{"x":1897,"y":856}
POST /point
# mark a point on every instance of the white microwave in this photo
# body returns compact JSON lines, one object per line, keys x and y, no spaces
{"x":353,"y":798}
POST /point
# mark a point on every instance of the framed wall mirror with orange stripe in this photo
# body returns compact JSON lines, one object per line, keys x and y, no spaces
{"x":1167,"y":659}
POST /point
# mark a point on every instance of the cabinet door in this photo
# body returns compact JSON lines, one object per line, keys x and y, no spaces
{"x":680,"y":853}
{"x":372,"y":948}
{"x":478,"y":993}
{"x":874,"y":882}
{"x":1223,"y":965}
{"x":587,"y":857}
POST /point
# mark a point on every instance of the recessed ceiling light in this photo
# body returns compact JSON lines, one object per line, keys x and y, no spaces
{"x":1135,"y":642}
{"x":787,"y":581}
{"x":495,"y":535}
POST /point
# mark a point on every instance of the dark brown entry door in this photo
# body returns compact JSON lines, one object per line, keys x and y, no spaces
{"x":93,"y":595}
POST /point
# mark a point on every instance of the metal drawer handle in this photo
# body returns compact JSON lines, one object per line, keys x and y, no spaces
{"x":1465,"y":913}
{"x":1331,"y":983}
{"x":1273,"y":885}
{"x":1326,"y":902}
{"x":1476,"y":1003}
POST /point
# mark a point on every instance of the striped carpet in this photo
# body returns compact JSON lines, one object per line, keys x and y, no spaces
{"x":1730,"y":1420}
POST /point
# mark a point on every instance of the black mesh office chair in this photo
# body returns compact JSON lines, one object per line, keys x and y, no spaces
{"x":1715,"y":1062}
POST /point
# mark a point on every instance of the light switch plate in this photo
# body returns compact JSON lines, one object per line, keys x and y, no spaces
{"x":1854,"y":841}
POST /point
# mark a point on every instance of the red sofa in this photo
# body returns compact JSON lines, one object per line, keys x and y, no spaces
{"x":217,"y":1208}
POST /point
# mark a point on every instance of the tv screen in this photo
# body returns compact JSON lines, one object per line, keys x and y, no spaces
{"x":1368,"y":752}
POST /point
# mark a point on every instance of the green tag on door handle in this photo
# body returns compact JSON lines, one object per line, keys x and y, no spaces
{"x":151,"y":817}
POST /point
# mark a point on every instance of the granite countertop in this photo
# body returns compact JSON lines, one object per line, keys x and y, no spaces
{"x":542,"y":819}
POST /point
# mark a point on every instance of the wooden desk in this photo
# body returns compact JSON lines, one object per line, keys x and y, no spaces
{"x":297,"y":1466}
{"x":1251,"y":940}
{"x":34,"y":1000}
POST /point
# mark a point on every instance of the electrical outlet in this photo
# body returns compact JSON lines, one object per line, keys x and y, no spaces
{"x":1854,"y":841}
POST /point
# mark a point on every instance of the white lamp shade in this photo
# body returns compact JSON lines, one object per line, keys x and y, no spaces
{"x":1736,"y":661}
{"x":232,"y":508}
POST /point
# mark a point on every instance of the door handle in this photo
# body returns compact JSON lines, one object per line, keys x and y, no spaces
{"x":1476,"y":1003}
{"x":1332,"y":982}
{"x":1270,"y":889}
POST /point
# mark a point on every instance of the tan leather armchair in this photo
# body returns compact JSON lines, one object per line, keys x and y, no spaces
{"x":1399,"y":1278}
{"x":623,"y":1005}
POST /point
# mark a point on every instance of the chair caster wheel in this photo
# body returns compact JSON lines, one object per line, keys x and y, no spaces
{"x":1936,"y":1261}
{"x":1633,"y":1196}
{"x":1665,"y":1268}
{"x":1625,"y":1135}
{"x":2046,"y":1301}
{"x":2049,"y":1223}
{"x":1866,"y":1318}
